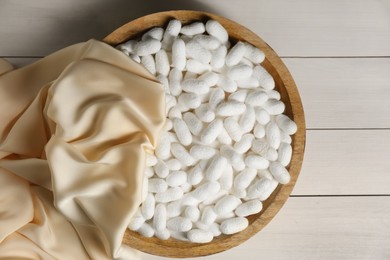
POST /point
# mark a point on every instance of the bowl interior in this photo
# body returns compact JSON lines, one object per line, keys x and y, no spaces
{"x":290,"y":96}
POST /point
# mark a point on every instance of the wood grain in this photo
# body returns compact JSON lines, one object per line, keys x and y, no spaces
{"x":347,"y":228}
{"x":345,"y":162}
{"x":344,"y":93}
{"x":292,"y":28}
{"x":290,"y":96}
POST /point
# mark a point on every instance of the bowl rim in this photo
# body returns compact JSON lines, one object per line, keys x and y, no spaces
{"x":290,"y":96}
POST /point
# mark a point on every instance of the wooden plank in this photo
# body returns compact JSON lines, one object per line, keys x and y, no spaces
{"x":292,"y":28}
{"x":319,"y":228}
{"x":336,"y":93}
{"x":343,"y":93}
{"x":341,"y":162}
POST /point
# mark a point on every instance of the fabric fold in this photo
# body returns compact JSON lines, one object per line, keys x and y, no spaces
{"x":74,"y":130}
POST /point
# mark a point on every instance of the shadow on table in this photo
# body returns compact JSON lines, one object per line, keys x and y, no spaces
{"x":96,"y":19}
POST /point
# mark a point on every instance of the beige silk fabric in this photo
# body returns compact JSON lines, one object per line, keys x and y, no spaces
{"x":74,"y":130}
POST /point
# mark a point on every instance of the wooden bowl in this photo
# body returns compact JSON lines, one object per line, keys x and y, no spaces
{"x":290,"y":96}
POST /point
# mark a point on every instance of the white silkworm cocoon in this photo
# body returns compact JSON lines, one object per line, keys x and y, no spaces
{"x":226,"y":205}
{"x":218,"y":57}
{"x":244,"y":144}
{"x":274,"y":107}
{"x":161,"y":169}
{"x":192,"y":213}
{"x":256,"y":162}
{"x":248,"y":83}
{"x":254,"y":54}
{"x":195,"y":86}
{"x":170,"y":101}
{"x":262,"y":148}
{"x":175,"y":77}
{"x":239,"y":95}
{"x":261,"y":189}
{"x":162,"y":63}
{"x":146,"y":230}
{"x":196,"y":67}
{"x":137,"y":221}
{"x":265,"y":79}
{"x":204,"y":113}
{"x":256,"y":98}
{"x":284,"y":154}
{"x":273,"y":94}
{"x":210,"y":133}
{"x":179,"y":224}
{"x":167,"y":125}
{"x":215,"y":29}
{"x":164,"y":81}
{"x":173,"y":164}
{"x":179,"y":54}
{"x":195,"y":175}
{"x":227,"y":84}
{"x":230,"y":108}
{"x":182,"y":131}
{"x":148,"y":172}
{"x":157,"y":185}
{"x":147,"y":47}
{"x":259,"y":131}
{"x":236,"y":54}
{"x":249,"y":208}
{"x":174,"y":208}
{"x":169,"y":195}
{"x":176,"y":178}
{"x":285,"y":138}
{"x":155,"y":33}
{"x":233,"y":128}
{"x":279,"y":172}
{"x":193,"y":29}
{"x":215,"y":198}
{"x":216,"y":97}
{"x":148,"y":62}
{"x":144,"y":188}
{"x":150,"y":160}
{"x":182,"y":154}
{"x":216,"y":168}
{"x":234,"y":158}
{"x":195,"y":51}
{"x":205,"y":190}
{"x":224,"y":137}
{"x":207,"y":41}
{"x":163,"y":234}
{"x":272,"y":134}
{"x":239,"y":72}
{"x":226,"y":180}
{"x":286,"y":124}
{"x":247,"y":119}
{"x":239,"y":193}
{"x":233,"y":225}
{"x":171,"y":32}
{"x":262,"y":116}
{"x":189,"y":200}
{"x":208,"y":215}
{"x":244,"y":178}
{"x":186,"y":187}
{"x":211,"y":78}
{"x":202,"y":152}
{"x":200,"y":236}
{"x":175,"y":112}
{"x":147,"y":208}
{"x":135,"y":58}
{"x":127,"y":47}
{"x":193,"y":123}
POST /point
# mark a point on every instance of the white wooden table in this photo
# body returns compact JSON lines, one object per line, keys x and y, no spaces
{"x":338,"y":51}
